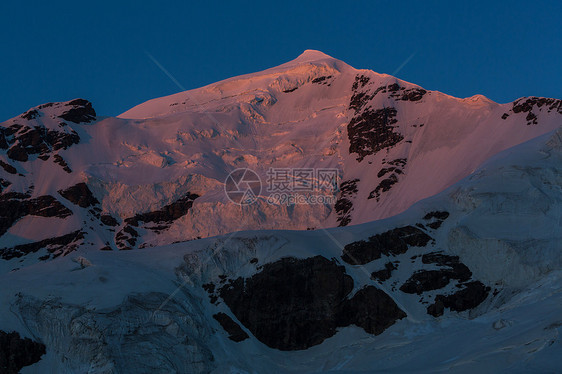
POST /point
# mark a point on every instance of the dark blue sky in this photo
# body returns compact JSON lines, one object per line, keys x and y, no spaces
{"x":56,"y":51}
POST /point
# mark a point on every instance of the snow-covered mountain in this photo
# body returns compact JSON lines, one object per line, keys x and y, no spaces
{"x":451,"y":207}
{"x":393,"y":143}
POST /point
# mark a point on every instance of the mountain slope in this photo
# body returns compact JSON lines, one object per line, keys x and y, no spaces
{"x":206,"y":306}
{"x":155,"y":175}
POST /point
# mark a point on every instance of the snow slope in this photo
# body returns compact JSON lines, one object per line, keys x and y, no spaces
{"x":150,"y":311}
{"x":392,"y":141}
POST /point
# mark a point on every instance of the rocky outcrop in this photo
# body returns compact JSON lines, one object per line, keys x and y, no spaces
{"x":392,"y":242}
{"x":167,"y":214}
{"x":468,"y":297}
{"x":58,"y":246}
{"x":427,"y":280}
{"x":397,"y":92}
{"x":436,"y":219}
{"x":126,"y":238}
{"x":344,"y":204}
{"x":384,"y":186}
{"x":533,"y":105}
{"x":14,"y":206}
{"x":384,"y":274}
{"x":293,"y":304}
{"x":108,"y":220}
{"x":322,"y":80}
{"x":4,"y":184}
{"x":81,"y":111}
{"x":60,"y":161}
{"x":391,"y":173}
{"x":23,"y":141}
{"x":436,"y":214}
{"x":371,"y":131}
{"x":372,"y":309}
{"x":80,"y":195}
{"x":155,"y":221}
{"x":8,"y":168}
{"x":235,"y":332}
{"x":17,"y":352}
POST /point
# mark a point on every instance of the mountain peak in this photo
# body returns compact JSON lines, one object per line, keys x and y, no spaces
{"x":312,"y":55}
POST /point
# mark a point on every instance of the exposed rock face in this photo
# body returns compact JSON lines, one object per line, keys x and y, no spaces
{"x":80,"y":195}
{"x":14,"y":206}
{"x":384,"y":186}
{"x":322,"y":80}
{"x":436,"y":219}
{"x":294,"y":304}
{"x":156,"y":221}
{"x":390,"y":173}
{"x":108,"y":220}
{"x":8,"y":168}
{"x":61,"y":245}
{"x":344,"y":205}
{"x":440,"y":215}
{"x":371,"y":309}
{"x":398,"y":92}
{"x":427,"y":280}
{"x":470,"y":296}
{"x":33,"y":138}
{"x":16,"y":353}
{"x":232,"y":328}
{"x":532,"y":105}
{"x":59,"y":160}
{"x":371,"y":131}
{"x":4,"y":184}
{"x":126,"y":238}
{"x":167,"y":214}
{"x":81,"y":111}
{"x":372,"y":128}
{"x":291,"y":304}
{"x":384,"y":274}
{"x":23,"y":141}
{"x":393,"y":242}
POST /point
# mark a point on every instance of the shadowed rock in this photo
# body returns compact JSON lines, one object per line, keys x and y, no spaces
{"x":428,"y":280}
{"x":80,"y":195}
{"x":59,"y":160}
{"x":8,"y":168}
{"x":17,"y":352}
{"x":440,"y":215}
{"x":384,"y":274}
{"x":81,"y":111}
{"x":393,"y":242}
{"x":294,"y":304}
{"x":168,"y":213}
{"x":61,"y":245}
{"x":371,"y":131}
{"x":4,"y":184}
{"x":470,"y":296}
{"x":384,"y":186}
{"x":24,"y":141}
{"x":371,"y":309}
{"x":232,"y":328}
{"x":108,"y":220}
{"x":344,"y":205}
{"x":14,"y":206}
